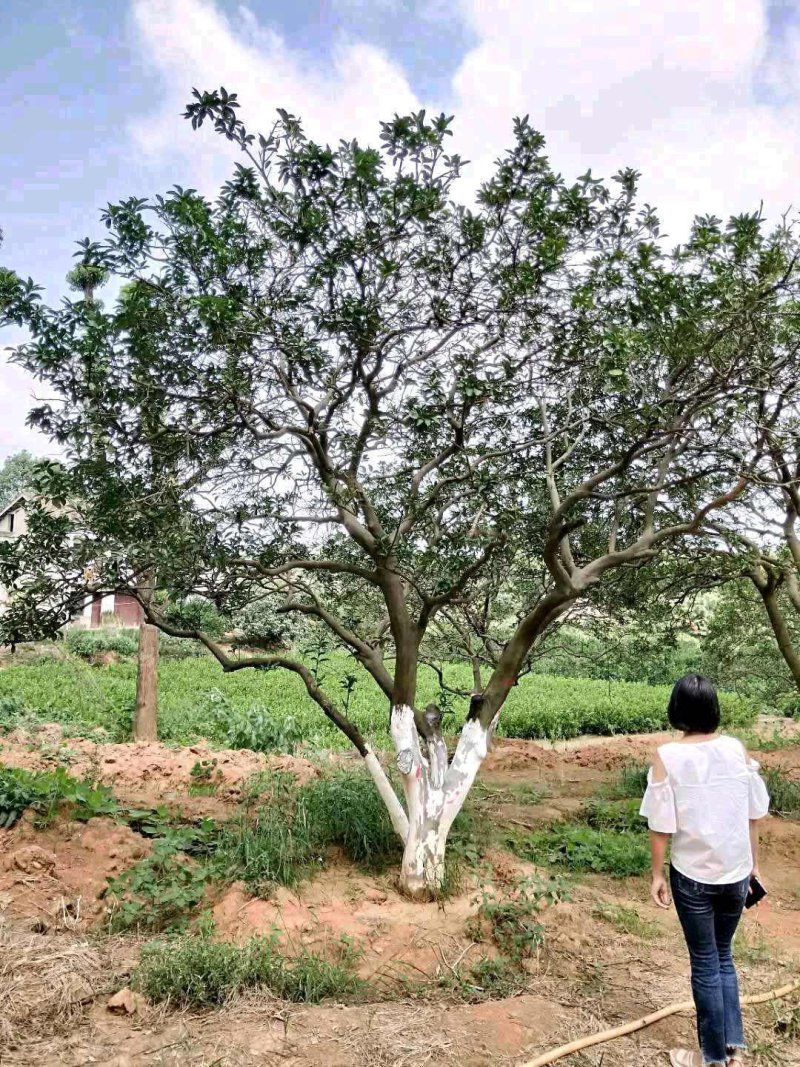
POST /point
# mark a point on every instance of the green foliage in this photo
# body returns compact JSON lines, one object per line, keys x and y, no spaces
{"x":740,"y":650}
{"x":632,"y":780}
{"x":291,"y":830}
{"x":260,"y":730}
{"x":89,"y":643}
{"x":344,"y":810}
{"x":196,"y":700}
{"x":125,"y":642}
{"x":512,"y":920}
{"x":204,"y":777}
{"x":197,"y":972}
{"x":158,"y":892}
{"x":627,"y":921}
{"x":17,"y":474}
{"x":560,"y":708}
{"x":784,"y":792}
{"x":581,"y":848}
{"x":48,"y":792}
{"x":619,"y":816}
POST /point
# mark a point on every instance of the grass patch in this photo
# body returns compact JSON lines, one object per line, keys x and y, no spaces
{"x":627,"y":921}
{"x":632,"y":781}
{"x":621,"y":816}
{"x":580,"y":848}
{"x":197,"y":972}
{"x":784,"y":792}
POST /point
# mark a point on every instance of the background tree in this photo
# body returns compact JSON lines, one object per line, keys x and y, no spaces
{"x":17,"y":475}
{"x":364,"y":397}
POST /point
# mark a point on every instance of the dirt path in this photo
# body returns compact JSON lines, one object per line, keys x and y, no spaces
{"x":590,"y":974}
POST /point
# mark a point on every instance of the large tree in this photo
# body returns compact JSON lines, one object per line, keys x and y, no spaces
{"x":369,"y":400}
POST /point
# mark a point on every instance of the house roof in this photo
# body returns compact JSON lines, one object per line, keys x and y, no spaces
{"x":14,"y":504}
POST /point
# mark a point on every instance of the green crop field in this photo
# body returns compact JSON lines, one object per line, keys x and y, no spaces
{"x":271,"y":709}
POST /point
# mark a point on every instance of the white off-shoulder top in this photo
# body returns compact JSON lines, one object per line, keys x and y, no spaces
{"x":711,"y":792}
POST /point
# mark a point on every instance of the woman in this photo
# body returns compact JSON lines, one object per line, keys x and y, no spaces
{"x":705,"y":794}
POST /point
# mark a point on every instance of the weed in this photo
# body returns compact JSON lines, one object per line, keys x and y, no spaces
{"x":621,"y":816}
{"x":627,"y":921}
{"x":204,"y":778}
{"x":751,"y":950}
{"x":632,"y":780}
{"x":488,"y":979}
{"x":197,"y":972}
{"x":344,"y":810}
{"x":784,"y":792}
{"x":46,"y":792}
{"x":156,"y":893}
{"x":512,"y":921}
{"x":272,"y":846}
{"x":582,"y":848}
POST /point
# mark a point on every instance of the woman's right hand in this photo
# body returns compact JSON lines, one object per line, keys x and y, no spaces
{"x":659,"y":891}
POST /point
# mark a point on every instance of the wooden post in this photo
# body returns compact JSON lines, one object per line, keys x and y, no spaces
{"x":145,"y":717}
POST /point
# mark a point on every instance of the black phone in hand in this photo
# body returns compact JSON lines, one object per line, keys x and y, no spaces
{"x":755,"y":893}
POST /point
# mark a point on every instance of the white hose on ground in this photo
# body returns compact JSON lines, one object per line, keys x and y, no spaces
{"x":646,"y":1020}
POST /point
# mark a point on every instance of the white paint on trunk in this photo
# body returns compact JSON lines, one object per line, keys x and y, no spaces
{"x":434,"y":793}
{"x":467,"y":759}
{"x":388,"y":795}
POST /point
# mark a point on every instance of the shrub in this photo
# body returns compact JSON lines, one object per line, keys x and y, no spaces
{"x":198,"y":973}
{"x":261,"y":730}
{"x":88,"y":643}
{"x":582,"y":848}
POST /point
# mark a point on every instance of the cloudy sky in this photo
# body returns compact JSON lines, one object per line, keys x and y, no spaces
{"x":703,"y":96}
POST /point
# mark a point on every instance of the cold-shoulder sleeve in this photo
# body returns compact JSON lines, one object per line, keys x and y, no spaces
{"x":658,"y":806}
{"x":759,"y":797}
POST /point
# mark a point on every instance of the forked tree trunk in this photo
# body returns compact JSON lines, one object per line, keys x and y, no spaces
{"x":145,"y":717}
{"x":435,"y":793}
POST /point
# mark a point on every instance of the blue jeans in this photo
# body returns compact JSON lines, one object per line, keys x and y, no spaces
{"x":709,"y":915}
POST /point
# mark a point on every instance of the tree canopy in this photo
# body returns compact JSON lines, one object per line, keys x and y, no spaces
{"x":337,"y":387}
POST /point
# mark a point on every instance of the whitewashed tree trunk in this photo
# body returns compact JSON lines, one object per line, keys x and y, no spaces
{"x":435,"y":793}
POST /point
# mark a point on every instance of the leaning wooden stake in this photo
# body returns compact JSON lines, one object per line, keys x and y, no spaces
{"x":647,"y":1020}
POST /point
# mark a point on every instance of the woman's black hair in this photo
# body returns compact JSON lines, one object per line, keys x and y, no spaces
{"x":693,"y":706}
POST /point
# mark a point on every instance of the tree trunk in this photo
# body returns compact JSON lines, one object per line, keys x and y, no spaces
{"x":435,"y":793}
{"x":782,"y":633}
{"x":145,"y":717}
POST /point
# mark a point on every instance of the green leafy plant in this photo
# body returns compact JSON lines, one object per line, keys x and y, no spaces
{"x":622,"y":816}
{"x":577,"y":847}
{"x":512,"y":921}
{"x":48,"y":792}
{"x":157,"y":893}
{"x":204,"y":777}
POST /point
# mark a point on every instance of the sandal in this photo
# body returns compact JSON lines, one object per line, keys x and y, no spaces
{"x":681,"y":1057}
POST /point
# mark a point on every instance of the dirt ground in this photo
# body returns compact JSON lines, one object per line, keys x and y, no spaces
{"x":58,"y":971}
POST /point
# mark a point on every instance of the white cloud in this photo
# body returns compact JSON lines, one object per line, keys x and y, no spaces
{"x":666,"y":87}
{"x":17,"y":389}
{"x":190,"y":43}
